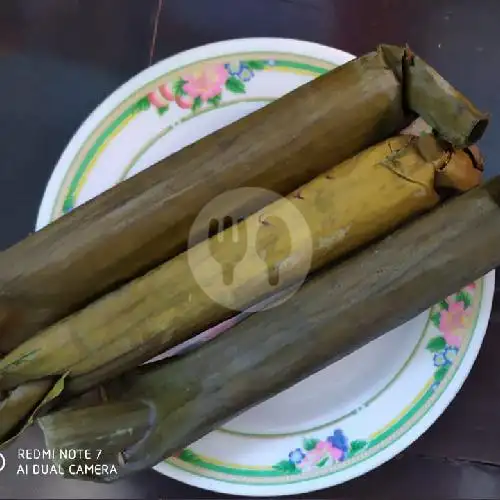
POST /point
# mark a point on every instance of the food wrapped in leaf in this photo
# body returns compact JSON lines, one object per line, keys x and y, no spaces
{"x":145,"y":220}
{"x":352,"y":204}
{"x":347,"y":207}
{"x":167,"y":406}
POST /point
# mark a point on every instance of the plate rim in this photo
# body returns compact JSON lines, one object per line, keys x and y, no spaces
{"x":216,"y":49}
{"x":296,"y":47}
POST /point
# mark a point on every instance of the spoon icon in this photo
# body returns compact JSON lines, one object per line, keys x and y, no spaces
{"x":273,"y":245}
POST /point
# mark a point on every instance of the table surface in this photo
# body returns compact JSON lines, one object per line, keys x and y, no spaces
{"x":60,"y":58}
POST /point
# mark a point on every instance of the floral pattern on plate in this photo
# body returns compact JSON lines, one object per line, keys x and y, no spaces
{"x":204,"y":85}
{"x":453,"y":318}
{"x":316,"y":453}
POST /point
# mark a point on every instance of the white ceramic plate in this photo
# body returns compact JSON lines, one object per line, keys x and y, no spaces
{"x":352,"y":416}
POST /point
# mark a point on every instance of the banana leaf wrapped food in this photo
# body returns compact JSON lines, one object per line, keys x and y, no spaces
{"x":155,"y":410}
{"x":349,"y":206}
{"x":146,"y":219}
{"x":353,"y":203}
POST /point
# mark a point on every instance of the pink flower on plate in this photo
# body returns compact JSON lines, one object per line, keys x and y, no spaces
{"x":313,"y":457}
{"x":156,"y":99}
{"x":166,"y":92}
{"x":336,"y":454}
{"x":323,"y":454}
{"x":184,"y":102}
{"x":161,"y":97}
{"x":206,"y":82}
{"x":453,"y":323}
{"x":327,"y":448}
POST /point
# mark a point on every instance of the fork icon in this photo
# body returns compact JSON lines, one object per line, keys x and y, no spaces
{"x":228,"y":245}
{"x":273,"y":245}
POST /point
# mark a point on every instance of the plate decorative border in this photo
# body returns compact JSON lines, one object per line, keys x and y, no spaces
{"x":180,"y":89}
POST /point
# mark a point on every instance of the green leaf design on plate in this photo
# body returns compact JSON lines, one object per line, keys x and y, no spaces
{"x":286,"y":467}
{"x":357,"y":446}
{"x":234,"y":85}
{"x":310,"y":444}
{"x":444,"y":305}
{"x":256,"y":64}
{"x":197,"y":103}
{"x":162,"y":111}
{"x":178,"y":87}
{"x":215,"y":100}
{"x":322,"y":462}
{"x":464,"y":297}
{"x":436,"y":318}
{"x":189,"y":456}
{"x":142,"y":104}
{"x":440,"y":373}
{"x":436,"y":344}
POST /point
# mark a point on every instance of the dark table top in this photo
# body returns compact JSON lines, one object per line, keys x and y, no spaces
{"x":60,"y":58}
